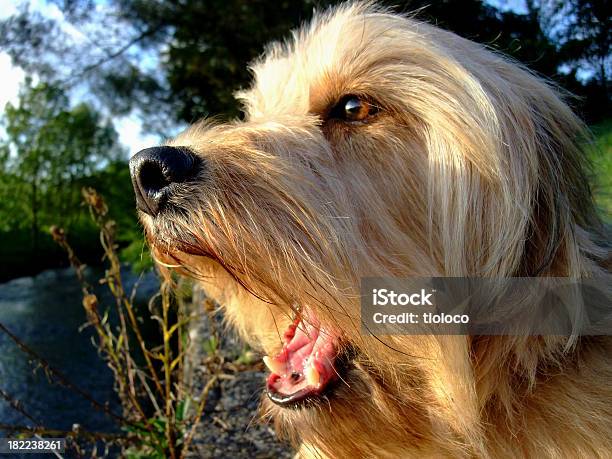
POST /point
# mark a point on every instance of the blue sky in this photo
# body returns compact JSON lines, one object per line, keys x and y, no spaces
{"x":518,"y":6}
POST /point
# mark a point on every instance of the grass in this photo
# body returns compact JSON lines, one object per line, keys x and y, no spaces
{"x":601,"y":156}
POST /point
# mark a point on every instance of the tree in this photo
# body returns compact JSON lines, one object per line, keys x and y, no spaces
{"x":48,"y":149}
{"x":183,"y":60}
{"x":583,"y":31}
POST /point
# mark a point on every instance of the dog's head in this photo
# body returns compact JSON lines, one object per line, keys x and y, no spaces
{"x":372,"y":145}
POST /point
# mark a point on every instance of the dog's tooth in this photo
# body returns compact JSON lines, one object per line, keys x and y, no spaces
{"x":312,"y":376}
{"x":273,"y":365}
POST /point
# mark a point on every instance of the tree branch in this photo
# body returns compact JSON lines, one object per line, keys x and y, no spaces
{"x":115,"y":54}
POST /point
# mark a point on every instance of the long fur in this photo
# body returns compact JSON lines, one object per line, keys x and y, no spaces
{"x":473,"y":167}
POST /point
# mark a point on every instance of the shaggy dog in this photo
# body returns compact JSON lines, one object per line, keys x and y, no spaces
{"x":376,"y":145}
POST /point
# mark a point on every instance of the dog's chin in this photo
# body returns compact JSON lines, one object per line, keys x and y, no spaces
{"x":162,"y":236}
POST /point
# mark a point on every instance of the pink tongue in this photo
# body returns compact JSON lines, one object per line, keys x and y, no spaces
{"x":305,"y":365}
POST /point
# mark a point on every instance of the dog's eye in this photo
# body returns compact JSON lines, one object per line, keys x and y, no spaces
{"x":353,"y":108}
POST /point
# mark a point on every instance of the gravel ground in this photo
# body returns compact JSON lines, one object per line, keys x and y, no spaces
{"x":230,"y":426}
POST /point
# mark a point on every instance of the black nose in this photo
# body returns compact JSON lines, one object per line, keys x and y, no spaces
{"x":157,"y":171}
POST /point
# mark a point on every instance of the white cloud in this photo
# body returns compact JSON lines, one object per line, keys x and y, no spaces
{"x":11,"y":79}
{"x":7,"y":8}
{"x":52,"y":11}
{"x":130,"y":134}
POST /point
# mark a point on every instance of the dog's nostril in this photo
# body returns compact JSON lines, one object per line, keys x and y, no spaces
{"x":152,"y":178}
{"x":154,"y":171}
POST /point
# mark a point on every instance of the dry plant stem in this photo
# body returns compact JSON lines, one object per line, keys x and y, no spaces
{"x":179,"y":360}
{"x":132,"y":379}
{"x":107,"y":339}
{"x":38,"y":429}
{"x":95,"y":436}
{"x":167,"y":360}
{"x":117,"y":368}
{"x":105,"y":336}
{"x":18,"y":406}
{"x":116,"y":287}
{"x":210,"y":312}
{"x":125,"y":342}
{"x":107,"y":241}
{"x":143,"y":348}
{"x":200,"y":411}
{"x":117,"y":349}
{"x":59,"y":376}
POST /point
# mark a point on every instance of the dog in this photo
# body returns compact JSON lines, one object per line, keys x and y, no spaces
{"x":375,"y":145}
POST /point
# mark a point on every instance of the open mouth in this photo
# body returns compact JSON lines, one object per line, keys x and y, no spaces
{"x":307,"y":364}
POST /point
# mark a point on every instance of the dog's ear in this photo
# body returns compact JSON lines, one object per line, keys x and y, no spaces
{"x":563,"y":209}
{"x":511,"y":193}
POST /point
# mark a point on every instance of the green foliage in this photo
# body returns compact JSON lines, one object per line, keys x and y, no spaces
{"x":211,"y":345}
{"x":582,"y":33}
{"x":601,"y":157}
{"x":152,"y":435}
{"x":137,"y":254}
{"x":247,"y":356}
{"x":50,"y":150}
{"x":49,"y":146}
{"x":210,"y":43}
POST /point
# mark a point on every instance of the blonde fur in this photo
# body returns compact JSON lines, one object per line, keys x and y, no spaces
{"x":472,"y":167}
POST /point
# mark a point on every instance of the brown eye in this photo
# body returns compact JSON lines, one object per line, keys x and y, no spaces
{"x":353,"y":108}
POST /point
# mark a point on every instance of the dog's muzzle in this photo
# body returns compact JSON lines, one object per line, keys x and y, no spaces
{"x":156,"y":173}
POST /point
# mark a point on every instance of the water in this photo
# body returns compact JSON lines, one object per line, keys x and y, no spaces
{"x":45,"y":312}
